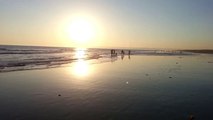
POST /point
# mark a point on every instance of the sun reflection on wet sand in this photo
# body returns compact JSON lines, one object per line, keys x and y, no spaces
{"x":81,"y":67}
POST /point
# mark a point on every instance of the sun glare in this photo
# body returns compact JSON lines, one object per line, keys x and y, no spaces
{"x":81,"y":68}
{"x":80,"y":54}
{"x":81,"y":30}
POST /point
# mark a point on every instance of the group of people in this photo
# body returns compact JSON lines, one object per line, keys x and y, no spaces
{"x":113,"y":53}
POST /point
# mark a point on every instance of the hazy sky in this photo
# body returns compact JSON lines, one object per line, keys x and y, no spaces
{"x":179,"y":24}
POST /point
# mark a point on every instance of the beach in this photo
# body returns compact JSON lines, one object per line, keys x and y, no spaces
{"x":106,"y":60}
{"x":137,"y":87}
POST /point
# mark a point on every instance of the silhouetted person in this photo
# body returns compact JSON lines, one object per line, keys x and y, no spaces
{"x":122,"y":52}
{"x":113,"y":54}
{"x":129,"y":53}
{"x":111,"y":51}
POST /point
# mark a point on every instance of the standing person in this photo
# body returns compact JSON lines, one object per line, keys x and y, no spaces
{"x":129,"y":52}
{"x":111,"y":51}
{"x":113,"y":54}
{"x":122,"y":52}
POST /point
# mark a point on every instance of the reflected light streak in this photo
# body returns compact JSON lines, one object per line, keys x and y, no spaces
{"x":80,"y":53}
{"x":81,"y":68}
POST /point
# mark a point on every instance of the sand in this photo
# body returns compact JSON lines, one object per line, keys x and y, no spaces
{"x":139,"y":87}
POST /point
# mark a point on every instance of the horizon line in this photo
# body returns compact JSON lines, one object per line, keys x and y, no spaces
{"x":101,"y":47}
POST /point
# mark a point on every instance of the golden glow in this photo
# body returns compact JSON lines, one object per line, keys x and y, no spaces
{"x":81,"y":68}
{"x":80,"y":53}
{"x":81,"y":30}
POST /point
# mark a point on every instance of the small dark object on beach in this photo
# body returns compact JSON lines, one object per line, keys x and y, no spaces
{"x":191,"y":117}
{"x":147,"y":74}
{"x":59,"y":94}
{"x":210,"y":62}
{"x":170,"y":77}
{"x":176,"y":62}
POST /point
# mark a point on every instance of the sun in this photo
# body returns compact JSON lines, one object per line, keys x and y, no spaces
{"x":81,"y":30}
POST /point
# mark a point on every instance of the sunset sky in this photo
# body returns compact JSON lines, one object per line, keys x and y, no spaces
{"x":177,"y":24}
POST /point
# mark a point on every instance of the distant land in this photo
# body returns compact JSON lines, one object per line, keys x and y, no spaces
{"x":206,"y":51}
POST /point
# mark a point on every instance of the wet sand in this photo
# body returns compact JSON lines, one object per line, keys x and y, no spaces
{"x":139,"y":87}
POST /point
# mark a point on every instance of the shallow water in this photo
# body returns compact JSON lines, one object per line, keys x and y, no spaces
{"x":139,"y":87}
{"x":16,"y":58}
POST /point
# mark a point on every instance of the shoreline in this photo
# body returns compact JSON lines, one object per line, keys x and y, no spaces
{"x":90,"y":61}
